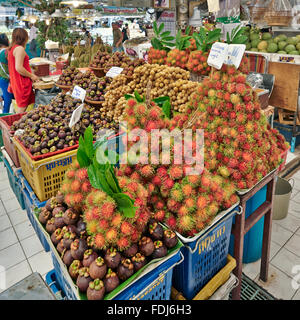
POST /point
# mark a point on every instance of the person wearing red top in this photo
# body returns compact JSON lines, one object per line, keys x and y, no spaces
{"x":21,"y":76}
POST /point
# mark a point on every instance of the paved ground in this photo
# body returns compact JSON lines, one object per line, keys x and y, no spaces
{"x":21,"y":252}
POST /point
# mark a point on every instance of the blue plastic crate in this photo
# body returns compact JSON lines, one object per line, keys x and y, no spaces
{"x":155,"y":285}
{"x":31,"y":201}
{"x":253,"y":239}
{"x":13,"y":178}
{"x":51,"y":281}
{"x":287,"y":131}
{"x":204,"y":257}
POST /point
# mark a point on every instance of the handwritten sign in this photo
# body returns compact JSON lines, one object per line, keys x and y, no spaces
{"x":76,"y":115}
{"x":113,"y":72}
{"x":235,"y":54}
{"x":78,"y":93}
{"x":218,"y":55}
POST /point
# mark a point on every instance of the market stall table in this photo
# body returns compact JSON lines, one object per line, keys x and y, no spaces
{"x":243,"y":225}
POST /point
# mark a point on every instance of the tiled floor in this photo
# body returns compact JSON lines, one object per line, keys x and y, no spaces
{"x":21,"y":252}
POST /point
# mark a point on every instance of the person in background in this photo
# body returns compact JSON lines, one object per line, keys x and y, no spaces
{"x":32,"y":39}
{"x":126,"y":32}
{"x":21,"y":77}
{"x":4,"y":74}
{"x":118,"y":37}
{"x":87,"y":37}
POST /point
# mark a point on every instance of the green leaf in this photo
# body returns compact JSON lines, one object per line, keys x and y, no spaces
{"x":167,"y":109}
{"x":105,"y":186}
{"x":155,"y":28}
{"x":188,"y":30}
{"x":128,"y":212}
{"x":228,"y":38}
{"x":202,"y":34}
{"x":93,"y":177}
{"x":88,"y":142}
{"x":156,"y":44}
{"x":165,"y":34}
{"x":125,"y":204}
{"x":138,"y":96}
{"x":111,"y":181}
{"x":82,"y":158}
{"x":128,"y":96}
{"x":161,"y":100}
{"x":161,"y":28}
{"x":168,"y":44}
{"x":170,"y":38}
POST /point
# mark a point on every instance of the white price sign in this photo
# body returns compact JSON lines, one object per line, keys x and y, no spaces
{"x":76,"y":115}
{"x":113,"y":72}
{"x":78,"y":93}
{"x":235,"y":54}
{"x":218,"y":55}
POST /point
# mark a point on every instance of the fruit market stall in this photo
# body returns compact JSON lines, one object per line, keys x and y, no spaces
{"x":122,"y":223}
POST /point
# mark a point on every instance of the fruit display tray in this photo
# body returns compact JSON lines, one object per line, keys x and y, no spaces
{"x":244,"y":191}
{"x":126,"y":290}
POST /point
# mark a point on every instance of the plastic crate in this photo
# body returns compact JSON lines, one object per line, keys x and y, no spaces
{"x":287,"y":131}
{"x":7,"y":136}
{"x":203,"y":257}
{"x":50,"y":280}
{"x":45,"y":176}
{"x":213,"y":285}
{"x":13,"y":178}
{"x":155,"y":285}
{"x":1,"y":139}
{"x":31,"y":202}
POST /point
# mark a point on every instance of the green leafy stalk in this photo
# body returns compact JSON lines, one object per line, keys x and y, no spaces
{"x":98,"y":161}
{"x":162,"y":39}
{"x":237,"y":36}
{"x":205,"y":39}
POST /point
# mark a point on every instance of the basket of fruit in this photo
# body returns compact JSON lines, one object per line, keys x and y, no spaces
{"x":96,"y":90}
{"x":65,"y":80}
{"x":7,"y":127}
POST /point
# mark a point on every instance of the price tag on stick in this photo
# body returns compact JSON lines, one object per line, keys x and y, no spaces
{"x":113,"y":72}
{"x":78,"y":93}
{"x":76,"y":115}
{"x":218,"y":55}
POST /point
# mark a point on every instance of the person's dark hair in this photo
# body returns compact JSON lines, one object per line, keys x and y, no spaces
{"x":19,"y":36}
{"x":4,"y":40}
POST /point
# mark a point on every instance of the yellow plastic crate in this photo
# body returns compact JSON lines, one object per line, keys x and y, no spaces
{"x":213,"y":285}
{"x":45,"y":176}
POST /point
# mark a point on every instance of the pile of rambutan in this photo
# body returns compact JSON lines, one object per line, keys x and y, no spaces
{"x":157,"y":56}
{"x":240,"y":145}
{"x":108,"y":226}
{"x":76,"y":186}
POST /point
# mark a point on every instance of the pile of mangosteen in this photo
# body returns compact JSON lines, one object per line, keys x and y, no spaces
{"x":83,"y":79}
{"x":46,"y":128}
{"x":96,"y":88}
{"x":100,"y":59}
{"x":67,"y":76}
{"x":98,"y":272}
{"x":118,"y":59}
{"x":131,"y":65}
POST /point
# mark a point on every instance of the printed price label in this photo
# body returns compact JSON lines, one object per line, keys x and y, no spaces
{"x":113,"y":72}
{"x":76,"y":115}
{"x":78,"y":93}
{"x":235,"y":54}
{"x":218,"y":55}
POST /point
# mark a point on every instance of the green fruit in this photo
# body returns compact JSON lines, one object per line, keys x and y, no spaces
{"x":276,"y":39}
{"x":282,"y":37}
{"x":293,"y":40}
{"x":298,"y":36}
{"x":295,"y":52}
{"x":254,"y":36}
{"x":298,"y":46}
{"x":248,"y":45}
{"x":263,"y":50}
{"x":281,"y":52}
{"x":262,"y":45}
{"x":266,"y":36}
{"x":272,"y":47}
{"x":254,"y":49}
{"x":289,"y":48}
{"x":255,"y":43}
{"x":282,"y":45}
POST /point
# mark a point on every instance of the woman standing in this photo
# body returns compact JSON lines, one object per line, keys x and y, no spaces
{"x":4,"y":74}
{"x":21,"y":77}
